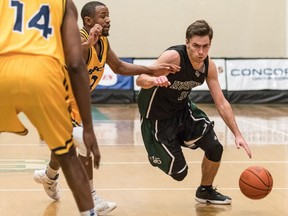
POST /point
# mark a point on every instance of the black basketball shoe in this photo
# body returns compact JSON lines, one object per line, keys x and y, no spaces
{"x":210,"y":195}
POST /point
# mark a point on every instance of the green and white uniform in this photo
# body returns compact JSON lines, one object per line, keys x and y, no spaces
{"x":170,"y":120}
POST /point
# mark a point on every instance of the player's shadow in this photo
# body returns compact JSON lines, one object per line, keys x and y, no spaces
{"x":203,"y":209}
{"x":52,"y":209}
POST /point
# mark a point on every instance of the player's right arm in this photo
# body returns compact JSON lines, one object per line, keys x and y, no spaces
{"x":79,"y":77}
{"x":146,"y":81}
{"x":93,"y":37}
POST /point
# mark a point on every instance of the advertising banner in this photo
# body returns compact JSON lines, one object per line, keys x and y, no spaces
{"x":145,"y":62}
{"x":257,"y":74}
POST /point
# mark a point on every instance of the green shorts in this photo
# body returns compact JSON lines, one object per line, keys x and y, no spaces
{"x":164,"y":139}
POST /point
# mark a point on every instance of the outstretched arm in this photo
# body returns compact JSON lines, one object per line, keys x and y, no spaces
{"x":224,"y":107}
{"x":120,"y":67}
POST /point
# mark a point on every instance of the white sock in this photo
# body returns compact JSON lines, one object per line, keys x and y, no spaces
{"x":51,"y":173}
{"x":88,"y":213}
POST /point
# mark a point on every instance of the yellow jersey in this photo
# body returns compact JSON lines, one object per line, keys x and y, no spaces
{"x":30,"y":31}
{"x":96,"y":62}
{"x":95,"y":66}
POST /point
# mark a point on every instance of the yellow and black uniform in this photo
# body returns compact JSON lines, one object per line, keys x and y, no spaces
{"x":32,"y":75}
{"x":96,"y":62}
{"x":95,"y":65}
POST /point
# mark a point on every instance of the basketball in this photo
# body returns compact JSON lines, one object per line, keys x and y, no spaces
{"x":255,"y":182}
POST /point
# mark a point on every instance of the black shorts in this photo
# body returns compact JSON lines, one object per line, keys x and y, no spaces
{"x":164,"y":139}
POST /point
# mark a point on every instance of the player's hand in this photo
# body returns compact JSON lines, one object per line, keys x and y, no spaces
{"x":240,"y":142}
{"x":164,"y":69}
{"x":91,"y":144}
{"x":161,"y":81}
{"x":94,"y":35}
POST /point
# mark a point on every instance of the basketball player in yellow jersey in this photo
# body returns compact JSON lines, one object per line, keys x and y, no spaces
{"x":35,"y":34}
{"x":96,"y":53}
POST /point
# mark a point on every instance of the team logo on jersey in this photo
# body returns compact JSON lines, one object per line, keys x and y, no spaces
{"x":155,"y":160}
{"x":95,"y":68}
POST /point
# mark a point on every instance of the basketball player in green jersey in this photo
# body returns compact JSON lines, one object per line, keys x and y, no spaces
{"x":35,"y":35}
{"x":96,"y":53}
{"x":170,"y":120}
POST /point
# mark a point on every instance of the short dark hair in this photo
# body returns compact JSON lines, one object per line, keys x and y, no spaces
{"x":89,"y":9}
{"x":199,"y":28}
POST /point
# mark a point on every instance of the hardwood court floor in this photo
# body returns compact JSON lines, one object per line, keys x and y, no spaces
{"x":126,"y":177}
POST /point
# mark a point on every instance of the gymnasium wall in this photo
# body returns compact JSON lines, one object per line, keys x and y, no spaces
{"x":257,"y":29}
{"x":242,"y":28}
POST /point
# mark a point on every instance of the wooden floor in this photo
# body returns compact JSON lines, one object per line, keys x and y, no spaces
{"x":126,"y":177}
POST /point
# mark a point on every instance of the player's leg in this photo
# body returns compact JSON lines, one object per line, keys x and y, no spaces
{"x":77,"y":180}
{"x":49,"y":178}
{"x":203,"y":136}
{"x":102,"y":206}
{"x":163,"y":147}
{"x":210,"y":165}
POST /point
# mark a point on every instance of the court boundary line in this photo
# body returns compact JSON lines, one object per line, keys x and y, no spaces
{"x":128,"y":189}
{"x":266,"y":128}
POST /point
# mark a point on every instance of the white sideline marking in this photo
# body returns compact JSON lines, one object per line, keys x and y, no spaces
{"x":127,"y":189}
{"x":266,"y":128}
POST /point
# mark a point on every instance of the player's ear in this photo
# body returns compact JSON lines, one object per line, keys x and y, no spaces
{"x":187,"y":41}
{"x":88,"y":21}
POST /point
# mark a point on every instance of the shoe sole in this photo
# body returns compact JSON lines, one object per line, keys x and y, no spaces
{"x":216,"y":202}
{"x":106,"y":211}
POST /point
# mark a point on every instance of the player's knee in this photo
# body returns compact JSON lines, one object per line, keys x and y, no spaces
{"x":214,"y":152}
{"x":77,"y":136}
{"x":181,"y":175}
{"x":82,"y":149}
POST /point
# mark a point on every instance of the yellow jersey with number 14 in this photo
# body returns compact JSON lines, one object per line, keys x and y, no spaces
{"x":31,"y":30}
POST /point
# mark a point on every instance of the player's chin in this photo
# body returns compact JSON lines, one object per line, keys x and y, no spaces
{"x":105,"y":33}
{"x":200,"y":59}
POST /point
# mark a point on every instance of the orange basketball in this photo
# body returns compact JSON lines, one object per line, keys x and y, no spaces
{"x":256,"y":182}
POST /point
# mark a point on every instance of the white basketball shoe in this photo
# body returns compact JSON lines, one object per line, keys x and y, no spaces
{"x":102,"y":207}
{"x":51,"y":186}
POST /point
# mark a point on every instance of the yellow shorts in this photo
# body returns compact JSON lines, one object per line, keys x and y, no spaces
{"x":74,"y":111}
{"x":75,"y":115}
{"x":38,"y":87}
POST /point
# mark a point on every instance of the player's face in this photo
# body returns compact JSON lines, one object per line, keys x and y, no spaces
{"x":102,"y":18}
{"x":198,"y":48}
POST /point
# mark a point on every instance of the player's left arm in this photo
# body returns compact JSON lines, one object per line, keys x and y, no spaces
{"x":223,"y":106}
{"x":120,"y":67}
